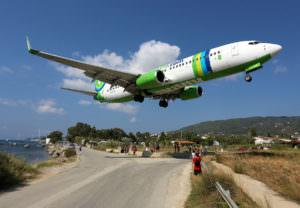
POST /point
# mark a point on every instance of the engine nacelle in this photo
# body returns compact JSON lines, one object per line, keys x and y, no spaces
{"x":190,"y":93}
{"x":151,"y":79}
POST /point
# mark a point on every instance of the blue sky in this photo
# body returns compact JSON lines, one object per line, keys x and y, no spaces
{"x":116,"y":33}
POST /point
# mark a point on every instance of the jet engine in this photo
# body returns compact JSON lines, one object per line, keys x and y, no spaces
{"x":190,"y":93}
{"x":151,"y":79}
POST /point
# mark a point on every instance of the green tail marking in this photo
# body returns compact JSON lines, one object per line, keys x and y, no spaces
{"x":30,"y":50}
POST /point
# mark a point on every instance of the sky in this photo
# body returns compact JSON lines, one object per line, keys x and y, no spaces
{"x":137,"y":36}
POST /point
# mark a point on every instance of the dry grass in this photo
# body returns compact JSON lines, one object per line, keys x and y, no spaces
{"x":47,"y":163}
{"x":279,"y":170}
{"x":204,"y":193}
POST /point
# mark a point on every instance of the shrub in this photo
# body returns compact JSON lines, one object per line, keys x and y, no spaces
{"x":219,"y":158}
{"x":47,"y":164}
{"x":13,"y":170}
{"x":70,"y":152}
{"x":239,"y":168}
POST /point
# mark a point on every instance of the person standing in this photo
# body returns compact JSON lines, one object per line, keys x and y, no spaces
{"x":193,"y":154}
{"x":197,"y":164}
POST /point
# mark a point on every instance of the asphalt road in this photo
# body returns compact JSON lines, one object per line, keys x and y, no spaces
{"x":101,"y":180}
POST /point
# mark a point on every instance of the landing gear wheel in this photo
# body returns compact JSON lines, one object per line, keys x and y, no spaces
{"x":248,"y":78}
{"x":163,"y":103}
{"x":138,"y":98}
{"x":141,"y":99}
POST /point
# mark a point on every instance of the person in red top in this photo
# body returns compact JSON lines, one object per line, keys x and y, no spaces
{"x":197,"y":164}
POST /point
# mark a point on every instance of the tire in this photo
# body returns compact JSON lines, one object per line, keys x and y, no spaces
{"x":248,"y":78}
{"x":163,"y":103}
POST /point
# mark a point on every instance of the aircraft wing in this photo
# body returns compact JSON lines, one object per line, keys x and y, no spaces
{"x":81,"y":91}
{"x":113,"y":77}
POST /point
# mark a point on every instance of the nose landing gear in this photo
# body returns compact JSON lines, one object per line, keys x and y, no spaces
{"x":248,"y":78}
{"x":163,"y":103}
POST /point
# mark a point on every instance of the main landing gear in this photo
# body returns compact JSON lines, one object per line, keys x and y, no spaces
{"x":248,"y":78}
{"x":163,"y":103}
{"x":138,"y":98}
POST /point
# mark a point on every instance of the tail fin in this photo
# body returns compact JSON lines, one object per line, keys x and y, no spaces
{"x":99,"y":85}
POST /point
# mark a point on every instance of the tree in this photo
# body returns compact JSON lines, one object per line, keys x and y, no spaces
{"x":81,"y":129}
{"x":131,"y":135}
{"x":55,"y":136}
{"x":253,"y":132}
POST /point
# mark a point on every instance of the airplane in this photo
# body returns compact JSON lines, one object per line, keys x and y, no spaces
{"x":175,"y":80}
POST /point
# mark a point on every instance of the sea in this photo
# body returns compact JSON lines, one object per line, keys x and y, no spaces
{"x":35,"y":153}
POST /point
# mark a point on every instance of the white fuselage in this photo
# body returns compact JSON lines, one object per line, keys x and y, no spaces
{"x":182,"y":73}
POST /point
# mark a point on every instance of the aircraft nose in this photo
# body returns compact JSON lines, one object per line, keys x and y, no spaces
{"x":275,"y":49}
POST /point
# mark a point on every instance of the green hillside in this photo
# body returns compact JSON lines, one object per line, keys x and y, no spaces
{"x":241,"y":126}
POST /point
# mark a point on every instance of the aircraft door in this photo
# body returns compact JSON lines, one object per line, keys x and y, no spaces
{"x":235,"y":49}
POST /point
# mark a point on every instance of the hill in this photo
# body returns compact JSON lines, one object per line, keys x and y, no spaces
{"x":241,"y":126}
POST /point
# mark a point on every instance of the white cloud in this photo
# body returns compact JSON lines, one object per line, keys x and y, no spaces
{"x":107,"y":59}
{"x":280,"y":68}
{"x":275,"y":61}
{"x":48,"y":106}
{"x":78,"y":83}
{"x":5,"y":69}
{"x":8,"y":102}
{"x":132,"y":120}
{"x":125,"y":108}
{"x":84,"y":102}
{"x":151,"y":54}
{"x":69,"y":71}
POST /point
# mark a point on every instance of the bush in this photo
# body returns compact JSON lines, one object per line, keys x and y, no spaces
{"x":47,"y":164}
{"x":219,"y":158}
{"x":70,"y":152}
{"x":239,"y":168}
{"x":13,"y":170}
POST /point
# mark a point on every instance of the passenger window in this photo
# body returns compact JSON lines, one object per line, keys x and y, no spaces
{"x":186,"y":62}
{"x":218,"y":52}
{"x":215,"y":53}
{"x":190,"y":61}
{"x":211,"y":54}
{"x":182,"y":64}
{"x":196,"y":59}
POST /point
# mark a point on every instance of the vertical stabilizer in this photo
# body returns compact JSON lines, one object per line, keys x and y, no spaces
{"x":99,"y":85}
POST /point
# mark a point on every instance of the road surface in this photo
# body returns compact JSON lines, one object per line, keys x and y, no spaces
{"x":102,"y":180}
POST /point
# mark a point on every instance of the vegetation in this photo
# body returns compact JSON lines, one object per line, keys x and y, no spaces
{"x":86,"y":131}
{"x":55,"y":136}
{"x":47,"y":164}
{"x":14,"y":170}
{"x":278,"y":169}
{"x":70,"y":152}
{"x":281,"y":126}
{"x":204,"y":192}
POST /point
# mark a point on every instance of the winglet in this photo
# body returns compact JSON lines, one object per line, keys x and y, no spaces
{"x":30,"y":50}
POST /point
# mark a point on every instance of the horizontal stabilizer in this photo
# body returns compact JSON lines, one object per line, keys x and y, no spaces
{"x":81,"y":91}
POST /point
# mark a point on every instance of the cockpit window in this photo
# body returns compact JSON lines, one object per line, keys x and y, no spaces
{"x":254,"y":43}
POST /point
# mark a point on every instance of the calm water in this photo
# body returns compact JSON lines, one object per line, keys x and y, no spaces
{"x":35,"y":153}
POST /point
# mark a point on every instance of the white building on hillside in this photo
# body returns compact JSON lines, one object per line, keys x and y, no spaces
{"x":264,"y":140}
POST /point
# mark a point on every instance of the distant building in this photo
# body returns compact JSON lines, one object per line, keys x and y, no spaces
{"x":48,"y":140}
{"x":205,"y":137}
{"x":264,"y":140}
{"x":216,"y":143}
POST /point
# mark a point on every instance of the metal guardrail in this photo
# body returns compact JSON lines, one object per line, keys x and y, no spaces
{"x":224,"y":193}
{"x":226,"y":196}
